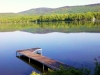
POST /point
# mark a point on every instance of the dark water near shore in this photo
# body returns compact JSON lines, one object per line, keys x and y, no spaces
{"x":69,"y":43}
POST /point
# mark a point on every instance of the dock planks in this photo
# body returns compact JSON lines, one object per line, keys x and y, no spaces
{"x":50,"y":63}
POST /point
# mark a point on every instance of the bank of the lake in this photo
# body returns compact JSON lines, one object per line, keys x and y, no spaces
{"x":20,"y":18}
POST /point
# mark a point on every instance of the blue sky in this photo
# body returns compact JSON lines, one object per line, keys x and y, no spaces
{"x":21,"y":5}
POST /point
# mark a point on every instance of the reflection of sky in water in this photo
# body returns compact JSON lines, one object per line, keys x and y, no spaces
{"x":70,"y":48}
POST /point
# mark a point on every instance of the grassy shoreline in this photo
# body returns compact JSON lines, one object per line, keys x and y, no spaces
{"x":73,"y":71}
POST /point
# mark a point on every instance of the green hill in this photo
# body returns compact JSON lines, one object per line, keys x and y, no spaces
{"x":65,"y":9}
{"x":37,"y":11}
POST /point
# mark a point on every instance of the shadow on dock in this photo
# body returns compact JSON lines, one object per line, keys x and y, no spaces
{"x":35,"y":64}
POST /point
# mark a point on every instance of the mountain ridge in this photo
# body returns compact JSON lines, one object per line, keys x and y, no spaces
{"x":64,"y":9}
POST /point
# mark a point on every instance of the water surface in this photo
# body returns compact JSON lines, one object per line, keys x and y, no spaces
{"x":73,"y":48}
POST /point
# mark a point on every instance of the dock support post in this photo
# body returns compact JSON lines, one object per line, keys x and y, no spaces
{"x":19,"y":55}
{"x":29,"y":60}
{"x":41,"y":52}
{"x":43,"y":67}
{"x":48,"y":69}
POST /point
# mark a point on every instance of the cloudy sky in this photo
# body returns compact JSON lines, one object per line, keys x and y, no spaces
{"x":21,"y":5}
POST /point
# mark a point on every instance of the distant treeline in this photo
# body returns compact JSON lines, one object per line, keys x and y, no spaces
{"x":15,"y":18}
{"x":70,"y":17}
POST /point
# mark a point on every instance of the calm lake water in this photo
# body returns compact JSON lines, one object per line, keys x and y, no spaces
{"x":75,"y":46}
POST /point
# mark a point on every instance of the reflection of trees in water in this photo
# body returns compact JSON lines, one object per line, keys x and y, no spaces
{"x":45,"y":27}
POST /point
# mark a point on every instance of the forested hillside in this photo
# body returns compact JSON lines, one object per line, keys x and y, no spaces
{"x":37,"y":11}
{"x":64,"y":10}
{"x":67,"y":13}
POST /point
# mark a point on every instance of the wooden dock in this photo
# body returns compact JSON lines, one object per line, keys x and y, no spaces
{"x":32,"y":54}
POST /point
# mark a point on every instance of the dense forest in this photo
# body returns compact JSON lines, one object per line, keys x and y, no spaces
{"x":16,"y":18}
{"x":70,"y":17}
